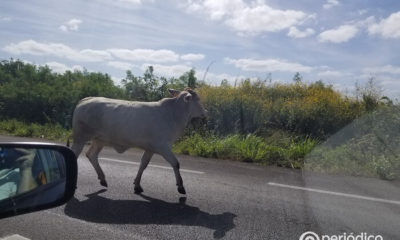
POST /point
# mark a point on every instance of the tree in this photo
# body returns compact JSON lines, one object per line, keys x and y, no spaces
{"x":148,"y":87}
{"x":297,"y":78}
{"x":192,"y":80}
{"x":35,"y":94}
{"x":189,"y":79}
{"x":135,"y":88}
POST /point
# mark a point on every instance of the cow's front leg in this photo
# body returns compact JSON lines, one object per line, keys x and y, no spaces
{"x":170,"y":157}
{"x":143,"y":164}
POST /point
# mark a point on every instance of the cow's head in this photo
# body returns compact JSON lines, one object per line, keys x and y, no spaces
{"x":192,"y":102}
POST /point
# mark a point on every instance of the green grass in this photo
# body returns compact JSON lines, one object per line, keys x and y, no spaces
{"x":366,"y":155}
{"x":289,"y":152}
{"x":21,"y":129}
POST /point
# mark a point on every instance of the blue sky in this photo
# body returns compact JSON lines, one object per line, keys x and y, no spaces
{"x":337,"y":41}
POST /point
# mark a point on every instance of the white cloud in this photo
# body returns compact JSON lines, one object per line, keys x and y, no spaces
{"x":362,"y":11}
{"x":62,"y":68}
{"x":131,"y":1}
{"x":216,"y":10}
{"x":296,"y":33}
{"x":93,"y":55}
{"x":338,"y":35}
{"x":216,"y":78}
{"x":330,"y":3}
{"x":146,"y":55}
{"x":167,"y":70}
{"x":363,"y":24}
{"x":387,"y":28}
{"x":387,"y":69}
{"x":135,"y":2}
{"x":192,"y":57}
{"x":63,"y":28}
{"x":117,"y":80}
{"x":71,"y":25}
{"x":5,"y":19}
{"x":128,"y":4}
{"x":32,"y":47}
{"x":268,"y":65}
{"x":329,"y":74}
{"x":121,"y":65}
{"x":178,"y":70}
{"x":253,"y":18}
{"x":264,"y":19}
{"x":27,"y":62}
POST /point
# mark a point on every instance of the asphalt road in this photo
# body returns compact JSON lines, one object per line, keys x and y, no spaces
{"x":224,"y":200}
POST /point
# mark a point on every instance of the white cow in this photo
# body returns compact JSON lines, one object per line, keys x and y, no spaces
{"x":152,"y":126}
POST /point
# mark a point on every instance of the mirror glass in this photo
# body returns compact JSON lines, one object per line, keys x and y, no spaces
{"x":30,"y":177}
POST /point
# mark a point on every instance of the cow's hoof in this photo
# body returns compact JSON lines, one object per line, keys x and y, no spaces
{"x":138,"y":189}
{"x":181,"y":190}
{"x":103,"y":183}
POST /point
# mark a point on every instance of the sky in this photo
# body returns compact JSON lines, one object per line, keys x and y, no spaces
{"x":339,"y":42}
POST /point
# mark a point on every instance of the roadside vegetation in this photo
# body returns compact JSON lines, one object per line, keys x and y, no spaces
{"x":34,"y":130}
{"x":278,"y":149}
{"x":369,"y":146}
{"x":296,"y":125}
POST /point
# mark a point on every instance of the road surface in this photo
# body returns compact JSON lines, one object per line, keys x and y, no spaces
{"x":225,"y":200}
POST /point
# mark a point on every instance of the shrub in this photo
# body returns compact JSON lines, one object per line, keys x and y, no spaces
{"x":310,"y":109}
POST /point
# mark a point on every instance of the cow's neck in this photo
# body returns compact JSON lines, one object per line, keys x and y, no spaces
{"x":181,"y":118}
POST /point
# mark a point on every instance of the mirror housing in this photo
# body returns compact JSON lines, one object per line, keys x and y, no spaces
{"x":35,"y":176}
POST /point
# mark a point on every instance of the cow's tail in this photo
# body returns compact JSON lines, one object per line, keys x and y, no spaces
{"x":68,"y":143}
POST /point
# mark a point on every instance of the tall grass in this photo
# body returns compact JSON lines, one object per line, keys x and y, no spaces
{"x":248,"y":148}
{"x":310,"y":109}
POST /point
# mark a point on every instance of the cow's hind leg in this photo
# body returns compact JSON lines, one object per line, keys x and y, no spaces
{"x":143,"y":164}
{"x":170,"y":157}
{"x":77,"y":147}
{"x":93,"y":154}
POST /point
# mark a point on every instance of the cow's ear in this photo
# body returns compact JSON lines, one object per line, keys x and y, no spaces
{"x":187,"y":97}
{"x":174,"y":92}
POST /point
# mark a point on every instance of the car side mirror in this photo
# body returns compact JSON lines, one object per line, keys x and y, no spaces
{"x":35,"y":176}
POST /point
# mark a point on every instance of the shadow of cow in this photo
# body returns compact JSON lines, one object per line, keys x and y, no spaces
{"x":99,"y":209}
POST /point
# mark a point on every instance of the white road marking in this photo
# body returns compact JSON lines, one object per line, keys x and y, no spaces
{"x":150,"y":165}
{"x":335,"y":193}
{"x":14,"y":237}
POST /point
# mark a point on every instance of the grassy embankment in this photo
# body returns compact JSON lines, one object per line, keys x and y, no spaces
{"x":284,"y":125}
